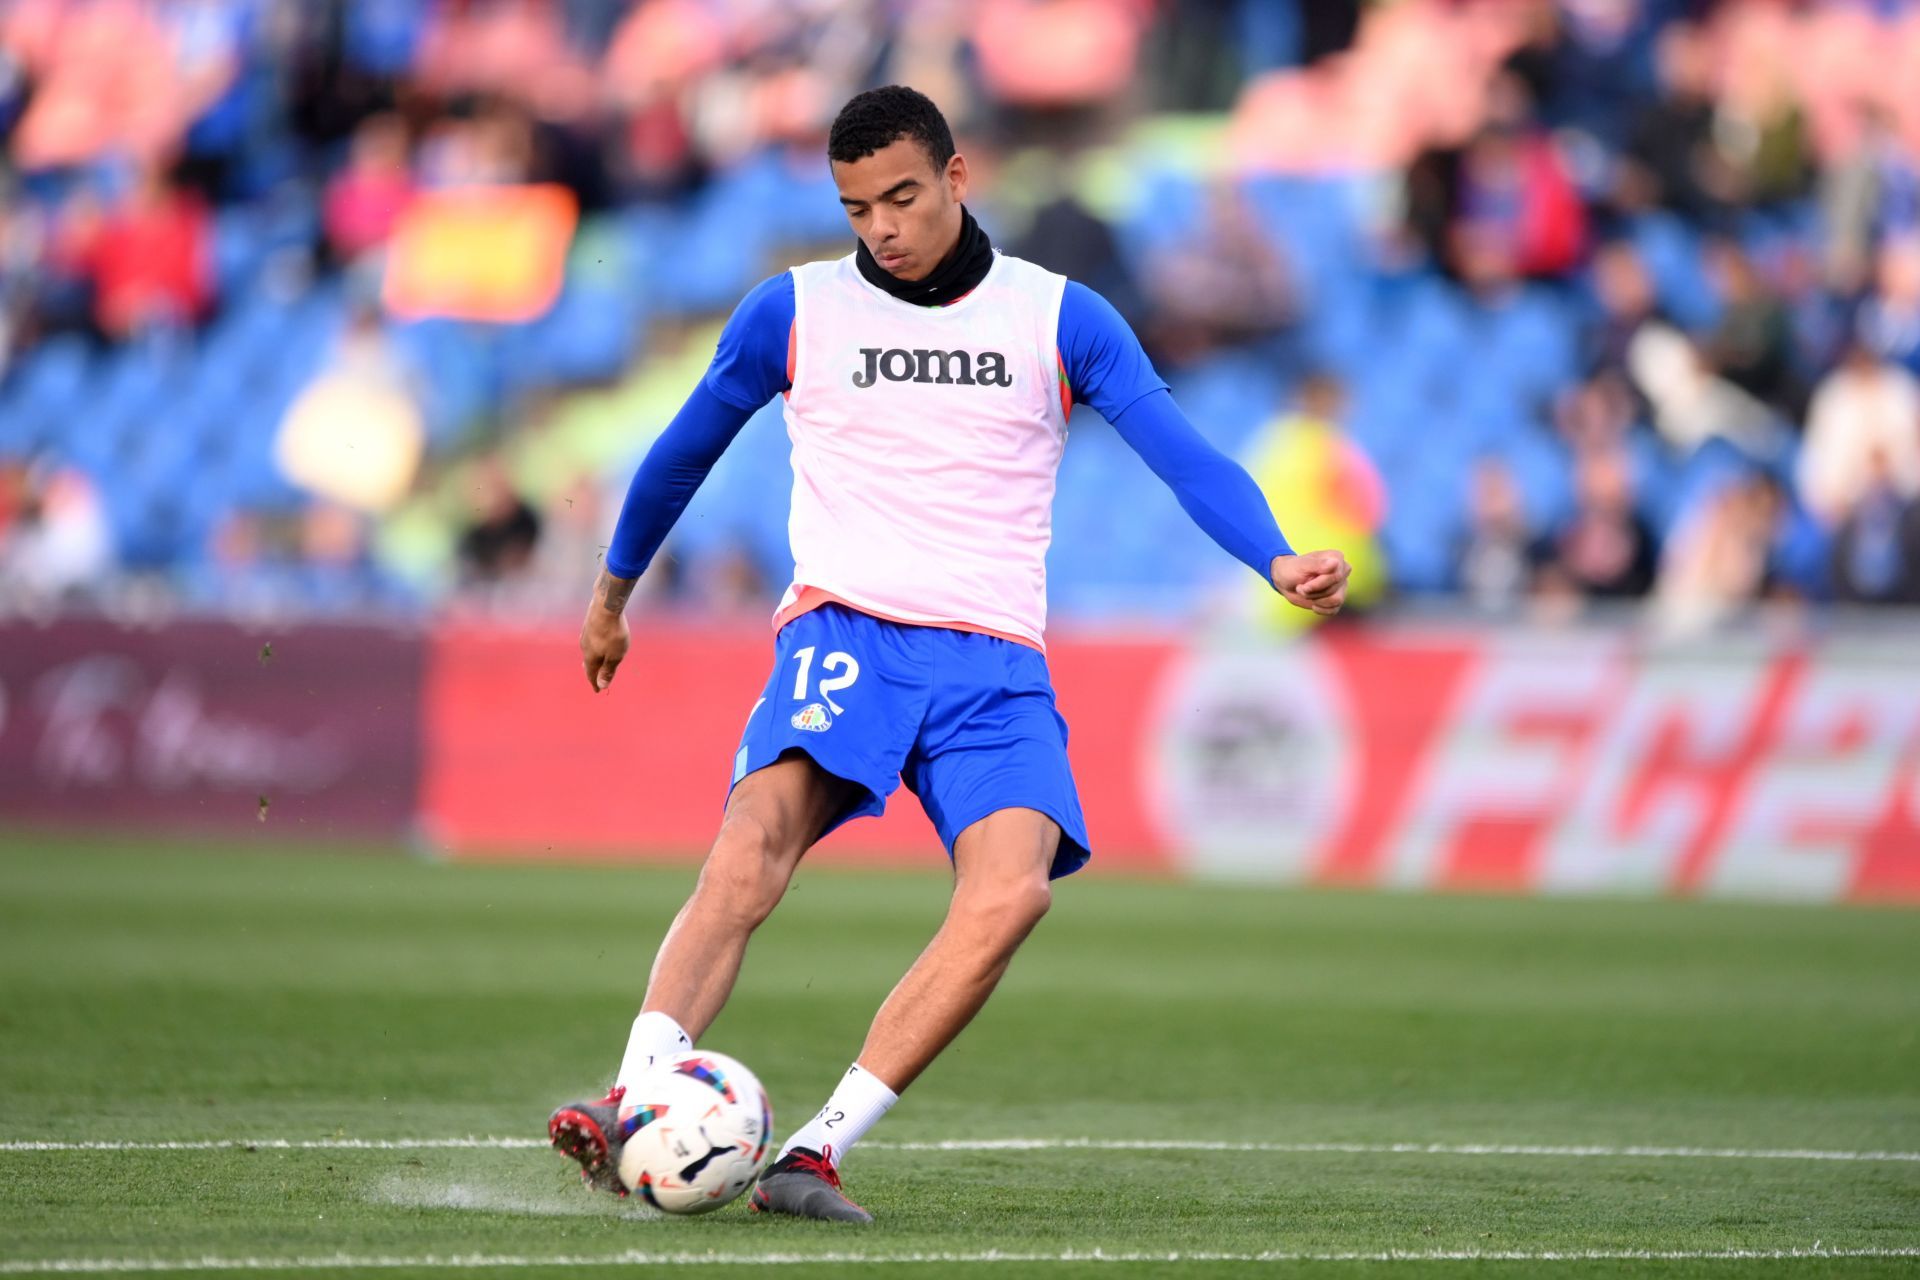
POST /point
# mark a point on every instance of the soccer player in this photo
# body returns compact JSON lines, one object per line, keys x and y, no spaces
{"x":927,"y":380}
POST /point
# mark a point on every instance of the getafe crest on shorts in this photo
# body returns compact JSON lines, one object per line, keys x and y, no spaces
{"x":813,"y":718}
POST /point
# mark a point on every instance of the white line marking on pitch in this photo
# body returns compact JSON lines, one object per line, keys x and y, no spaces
{"x":642,"y":1258}
{"x":290,"y":1144}
{"x":1399,"y":1148}
{"x":1028,"y":1144}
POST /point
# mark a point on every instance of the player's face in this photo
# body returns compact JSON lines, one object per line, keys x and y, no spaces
{"x":904,"y":210}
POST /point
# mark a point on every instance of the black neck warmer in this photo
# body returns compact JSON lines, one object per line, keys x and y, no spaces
{"x":958,"y":274}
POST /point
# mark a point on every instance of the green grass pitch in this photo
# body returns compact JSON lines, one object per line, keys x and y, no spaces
{"x":155,"y":994}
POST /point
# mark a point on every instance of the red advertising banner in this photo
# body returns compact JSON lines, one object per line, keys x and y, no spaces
{"x":1511,"y":760}
{"x":1551,"y":762}
{"x":1574,"y":761}
{"x":206,"y":726}
{"x":524,"y":758}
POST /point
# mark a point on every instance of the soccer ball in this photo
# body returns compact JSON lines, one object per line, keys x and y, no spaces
{"x":705,"y":1128}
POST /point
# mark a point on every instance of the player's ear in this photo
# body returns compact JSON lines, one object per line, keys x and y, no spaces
{"x":957,"y":176}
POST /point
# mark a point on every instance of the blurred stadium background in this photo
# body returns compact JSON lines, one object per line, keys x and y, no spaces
{"x":330,"y":334}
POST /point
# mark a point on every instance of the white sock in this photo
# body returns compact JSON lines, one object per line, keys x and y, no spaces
{"x":856,"y":1106}
{"x":654,"y":1035}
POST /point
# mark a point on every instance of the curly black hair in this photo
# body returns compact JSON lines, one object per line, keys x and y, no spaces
{"x":879,"y":117}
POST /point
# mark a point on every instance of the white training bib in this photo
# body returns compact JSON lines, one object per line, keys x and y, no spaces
{"x":925,"y":445}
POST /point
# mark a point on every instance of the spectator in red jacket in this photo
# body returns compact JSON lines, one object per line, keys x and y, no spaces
{"x":1514,"y":184}
{"x":148,"y":258}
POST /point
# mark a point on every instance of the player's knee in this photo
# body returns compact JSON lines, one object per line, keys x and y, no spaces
{"x":1031,"y":900}
{"x":742,"y":895}
{"x":1011,"y":906}
{"x":746,"y":874}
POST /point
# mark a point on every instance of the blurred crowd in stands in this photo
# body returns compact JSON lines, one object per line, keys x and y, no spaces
{"x":373,"y":305}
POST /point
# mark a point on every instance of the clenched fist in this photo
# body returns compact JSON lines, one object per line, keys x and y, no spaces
{"x":1315,"y":580}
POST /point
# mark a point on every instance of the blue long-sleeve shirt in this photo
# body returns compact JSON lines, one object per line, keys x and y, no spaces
{"x":1106,"y":369}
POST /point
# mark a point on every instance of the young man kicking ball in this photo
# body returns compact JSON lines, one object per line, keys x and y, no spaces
{"x":927,"y":382}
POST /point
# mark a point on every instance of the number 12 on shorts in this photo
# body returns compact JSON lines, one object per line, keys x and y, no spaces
{"x":835,"y":661}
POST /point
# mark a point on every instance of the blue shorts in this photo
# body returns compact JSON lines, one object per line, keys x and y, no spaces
{"x":966,"y":720}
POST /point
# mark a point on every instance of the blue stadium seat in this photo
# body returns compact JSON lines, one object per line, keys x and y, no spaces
{"x":451,"y":370}
{"x":711,"y":259}
{"x":1338,"y":331}
{"x":1229,"y":395}
{"x":213,"y":379}
{"x":381,"y":36}
{"x":251,"y":334}
{"x":313,"y":330}
{"x":1527,"y":344}
{"x":146,"y":519}
{"x":1381,"y":420}
{"x":744,"y":501}
{"x":142,"y":374}
{"x":589,"y":335}
{"x":90,"y":439}
{"x":1429,"y":338}
{"x":1802,"y":552}
{"x":1543,"y":473}
{"x":1121,"y":541}
{"x":46,"y":391}
{"x":1426,"y":516}
{"x":1656,"y":480}
{"x":240,"y":249}
{"x":1165,"y":211}
{"x":1316,"y":223}
{"x":794,"y":195}
{"x":1672,"y":253}
{"x":1090,"y":482}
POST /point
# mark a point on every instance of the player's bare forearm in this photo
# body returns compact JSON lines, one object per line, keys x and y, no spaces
{"x":604,"y":636}
{"x":1312,"y":580}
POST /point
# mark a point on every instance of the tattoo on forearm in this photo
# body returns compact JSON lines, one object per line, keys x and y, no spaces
{"x":613,"y":592}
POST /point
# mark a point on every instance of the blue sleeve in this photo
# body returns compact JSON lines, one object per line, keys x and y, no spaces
{"x":1214,"y":489}
{"x":673,"y":469}
{"x":749,"y":368}
{"x":750,"y":365}
{"x":1105,"y":365}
